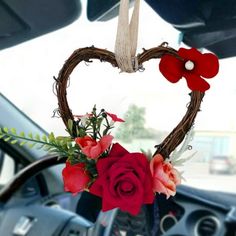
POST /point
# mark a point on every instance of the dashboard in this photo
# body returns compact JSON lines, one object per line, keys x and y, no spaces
{"x":191,"y":218}
{"x":191,"y":212}
{"x":194,"y":212}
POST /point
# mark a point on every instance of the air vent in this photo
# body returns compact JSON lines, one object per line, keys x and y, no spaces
{"x":207,"y":226}
{"x":74,"y":233}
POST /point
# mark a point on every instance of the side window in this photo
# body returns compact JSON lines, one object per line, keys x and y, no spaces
{"x":7,"y":168}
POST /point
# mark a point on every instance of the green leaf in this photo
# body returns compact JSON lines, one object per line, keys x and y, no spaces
{"x":13,"y":131}
{"x":82,"y":132}
{"x":30,"y":135}
{"x":77,"y":131}
{"x":5,"y":129}
{"x":57,"y":142}
{"x":44,"y":138}
{"x":2,"y":135}
{"x":99,"y":122}
{"x":51,"y":138}
{"x":70,"y":125}
{"x":37,"y":137}
{"x":14,"y":141}
{"x":23,"y":143}
{"x":31,"y":145}
{"x":53,"y":150}
{"x":47,"y":148}
{"x":69,"y":144}
{"x":22,"y":134}
{"x":7,"y":139}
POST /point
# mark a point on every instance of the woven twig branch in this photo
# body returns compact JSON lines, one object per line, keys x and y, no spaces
{"x":87,"y":54}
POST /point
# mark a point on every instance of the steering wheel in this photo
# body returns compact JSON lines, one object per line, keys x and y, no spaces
{"x":35,"y":219}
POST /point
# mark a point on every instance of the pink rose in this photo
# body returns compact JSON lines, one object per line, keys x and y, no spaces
{"x":124,"y":181}
{"x":92,"y":148}
{"x":75,"y":178}
{"x":165,"y":176}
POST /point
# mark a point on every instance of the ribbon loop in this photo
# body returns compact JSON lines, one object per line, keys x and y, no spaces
{"x":127,"y":37}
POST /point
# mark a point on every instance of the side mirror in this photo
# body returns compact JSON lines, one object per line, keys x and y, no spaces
{"x":7,"y":168}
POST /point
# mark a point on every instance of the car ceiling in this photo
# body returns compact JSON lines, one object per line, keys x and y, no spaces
{"x":24,"y":20}
{"x":209,"y":24}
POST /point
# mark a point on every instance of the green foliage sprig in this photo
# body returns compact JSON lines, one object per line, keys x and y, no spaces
{"x":63,"y":146}
{"x":95,"y":125}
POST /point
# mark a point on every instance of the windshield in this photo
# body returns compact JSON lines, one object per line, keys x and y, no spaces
{"x":27,"y":72}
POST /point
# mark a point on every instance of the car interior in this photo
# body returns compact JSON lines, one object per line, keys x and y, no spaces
{"x":32,"y":197}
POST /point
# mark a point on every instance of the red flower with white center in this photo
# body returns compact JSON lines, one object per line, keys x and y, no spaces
{"x":192,"y":65}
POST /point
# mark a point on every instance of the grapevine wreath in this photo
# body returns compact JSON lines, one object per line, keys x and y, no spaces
{"x":95,"y":164}
{"x":128,"y":180}
{"x":106,"y":169}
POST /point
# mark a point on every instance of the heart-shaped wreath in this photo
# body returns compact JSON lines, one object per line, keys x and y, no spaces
{"x":127,"y":180}
{"x":122,"y":179}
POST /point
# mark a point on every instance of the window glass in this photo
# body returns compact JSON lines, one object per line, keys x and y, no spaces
{"x":152,"y":104}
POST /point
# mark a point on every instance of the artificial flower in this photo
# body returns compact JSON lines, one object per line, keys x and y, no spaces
{"x":114,"y":117}
{"x":92,"y":148}
{"x":124,"y":180}
{"x":75,"y":178}
{"x":192,"y":65}
{"x":84,"y":118}
{"x":165,"y":176}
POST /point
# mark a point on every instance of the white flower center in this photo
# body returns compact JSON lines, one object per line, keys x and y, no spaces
{"x":189,"y":65}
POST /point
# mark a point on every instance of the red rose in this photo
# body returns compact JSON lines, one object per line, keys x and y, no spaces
{"x":92,"y":148}
{"x":193,"y":65}
{"x":124,"y":181}
{"x":75,"y":178}
{"x":165,"y":176}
